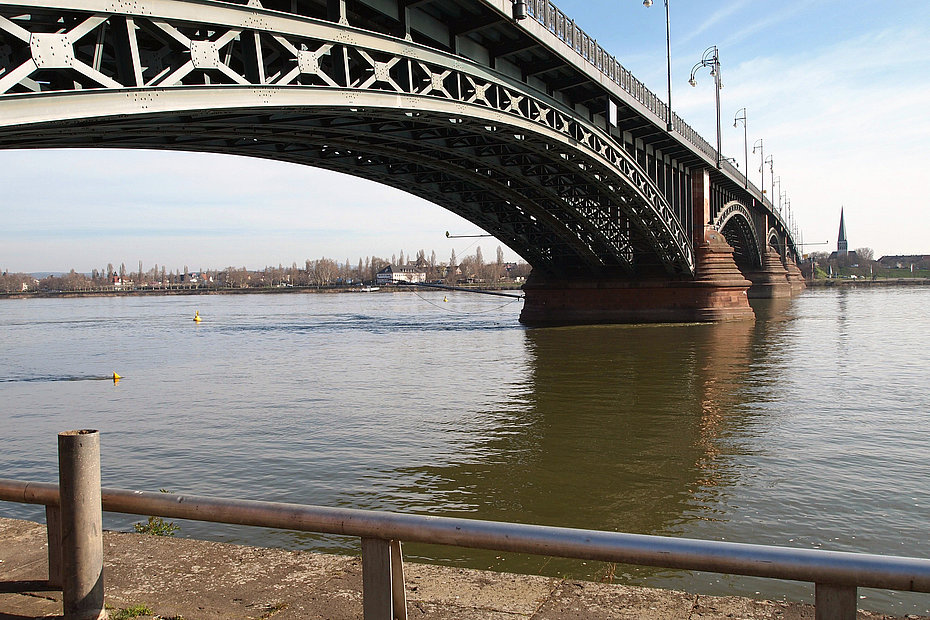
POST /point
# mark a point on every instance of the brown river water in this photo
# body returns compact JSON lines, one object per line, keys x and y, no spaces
{"x":808,"y":427}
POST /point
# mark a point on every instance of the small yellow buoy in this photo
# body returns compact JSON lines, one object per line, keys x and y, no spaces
{"x":445,"y":299}
{"x":197,"y":318}
{"x":116,"y":377}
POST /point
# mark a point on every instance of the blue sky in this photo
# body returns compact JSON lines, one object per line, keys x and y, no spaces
{"x":838,"y":91}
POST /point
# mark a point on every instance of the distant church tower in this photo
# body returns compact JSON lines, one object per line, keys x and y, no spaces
{"x":842,"y":248}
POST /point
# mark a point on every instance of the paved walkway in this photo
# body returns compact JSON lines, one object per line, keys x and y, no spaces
{"x":194,"y":579}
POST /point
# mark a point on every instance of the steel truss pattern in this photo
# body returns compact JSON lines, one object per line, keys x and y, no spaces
{"x":736,"y":223}
{"x":212,"y":76}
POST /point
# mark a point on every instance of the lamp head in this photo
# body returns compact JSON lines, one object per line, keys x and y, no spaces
{"x":647,"y":3}
{"x":692,"y":81}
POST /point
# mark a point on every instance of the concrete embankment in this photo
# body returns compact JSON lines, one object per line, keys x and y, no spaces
{"x":193,"y":579}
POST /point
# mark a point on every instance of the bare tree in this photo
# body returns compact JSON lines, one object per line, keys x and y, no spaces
{"x":452,"y":272}
{"x":866,"y":255}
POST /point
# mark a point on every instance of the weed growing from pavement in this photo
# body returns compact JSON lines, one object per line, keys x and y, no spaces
{"x":156,"y":526}
{"x":133,"y":611}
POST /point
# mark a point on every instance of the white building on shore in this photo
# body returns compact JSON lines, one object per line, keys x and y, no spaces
{"x":400,"y":273}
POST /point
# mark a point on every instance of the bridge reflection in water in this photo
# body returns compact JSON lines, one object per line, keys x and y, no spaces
{"x":617,"y":428}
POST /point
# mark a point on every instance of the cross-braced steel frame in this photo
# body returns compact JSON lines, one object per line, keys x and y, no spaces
{"x":202,"y":75}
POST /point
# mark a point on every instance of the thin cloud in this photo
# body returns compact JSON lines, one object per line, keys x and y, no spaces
{"x":715,"y":18}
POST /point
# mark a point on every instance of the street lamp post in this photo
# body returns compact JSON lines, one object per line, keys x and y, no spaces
{"x":668,"y":55}
{"x":711,"y":59}
{"x":758,"y":146}
{"x":771,"y":163}
{"x":741,"y":117}
{"x":776,"y":181}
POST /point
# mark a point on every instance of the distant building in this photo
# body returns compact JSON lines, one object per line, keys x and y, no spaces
{"x":196,"y":278}
{"x":400,"y":273}
{"x":904,"y":261}
{"x":842,"y":245}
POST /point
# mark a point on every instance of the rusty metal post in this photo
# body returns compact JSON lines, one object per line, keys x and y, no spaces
{"x":81,"y":525}
{"x":398,"y":592}
{"x":377,"y":596}
{"x":834,"y":602}
{"x":383,"y":596}
{"x":53,"y":529}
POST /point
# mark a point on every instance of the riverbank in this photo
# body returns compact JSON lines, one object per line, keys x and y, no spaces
{"x":194,"y":579}
{"x":863,"y":282}
{"x":277,"y":290}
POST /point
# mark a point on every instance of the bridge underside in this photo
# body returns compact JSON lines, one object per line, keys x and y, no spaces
{"x":606,"y":220}
{"x":564,"y":212}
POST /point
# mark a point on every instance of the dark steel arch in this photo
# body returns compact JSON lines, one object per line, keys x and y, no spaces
{"x":216,"y":77}
{"x":774,"y":239}
{"x":735,"y":222}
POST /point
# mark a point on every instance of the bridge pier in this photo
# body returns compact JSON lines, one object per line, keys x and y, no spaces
{"x":717,"y":293}
{"x":795,"y":278}
{"x":770,"y":282}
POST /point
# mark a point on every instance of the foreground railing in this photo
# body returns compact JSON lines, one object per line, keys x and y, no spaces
{"x":837,"y":575}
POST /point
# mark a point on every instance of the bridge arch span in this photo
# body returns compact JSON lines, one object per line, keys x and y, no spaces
{"x":222,"y":78}
{"x":735,"y":222}
{"x":776,"y":240}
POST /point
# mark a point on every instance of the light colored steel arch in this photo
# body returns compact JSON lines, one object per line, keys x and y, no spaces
{"x":138,"y":66}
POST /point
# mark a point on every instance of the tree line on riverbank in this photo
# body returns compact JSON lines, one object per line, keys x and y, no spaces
{"x":320,"y":272}
{"x":861,"y":264}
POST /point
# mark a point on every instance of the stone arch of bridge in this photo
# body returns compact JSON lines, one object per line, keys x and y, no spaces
{"x":542,"y":179}
{"x":735,"y":222}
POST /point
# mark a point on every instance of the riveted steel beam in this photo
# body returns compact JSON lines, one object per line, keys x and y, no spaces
{"x":238,"y":71}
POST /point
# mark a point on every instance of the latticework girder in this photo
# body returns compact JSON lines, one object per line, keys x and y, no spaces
{"x":217,"y":77}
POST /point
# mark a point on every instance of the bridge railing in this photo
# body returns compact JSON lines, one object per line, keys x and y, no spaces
{"x":553,"y":19}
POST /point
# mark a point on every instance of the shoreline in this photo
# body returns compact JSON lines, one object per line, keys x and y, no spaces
{"x":289,"y":290}
{"x":314,"y":290}
{"x":821,"y":283}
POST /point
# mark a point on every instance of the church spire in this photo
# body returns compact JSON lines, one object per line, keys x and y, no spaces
{"x":842,"y":247}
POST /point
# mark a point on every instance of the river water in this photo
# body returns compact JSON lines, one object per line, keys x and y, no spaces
{"x":807,"y":428}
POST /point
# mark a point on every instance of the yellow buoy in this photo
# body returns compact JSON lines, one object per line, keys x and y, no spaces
{"x":197,"y":318}
{"x":116,"y":377}
{"x":445,"y":299}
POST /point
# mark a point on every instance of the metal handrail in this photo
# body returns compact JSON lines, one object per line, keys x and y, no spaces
{"x":564,"y":28}
{"x":834,"y":569}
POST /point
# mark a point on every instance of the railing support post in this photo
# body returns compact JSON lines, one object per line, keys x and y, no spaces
{"x":835,"y":602}
{"x":398,"y":592}
{"x":383,"y":596}
{"x":81,"y":525}
{"x":53,"y":529}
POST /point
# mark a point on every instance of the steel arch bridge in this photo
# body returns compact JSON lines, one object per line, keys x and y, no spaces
{"x":528,"y":129}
